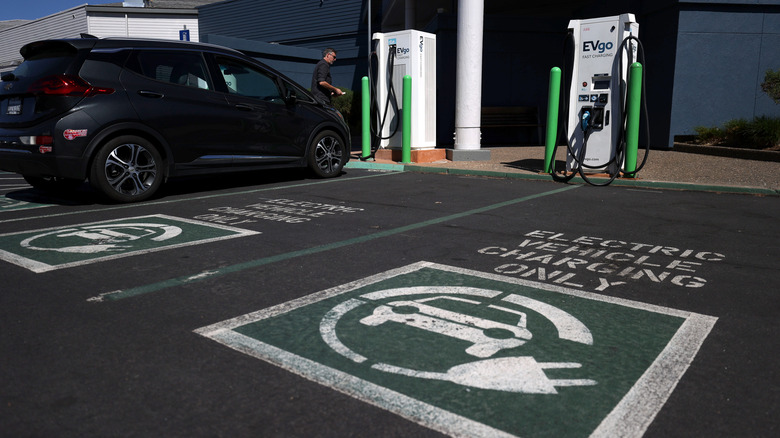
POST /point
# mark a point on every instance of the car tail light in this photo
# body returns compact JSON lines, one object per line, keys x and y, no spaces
{"x":42,"y":140}
{"x":63,"y":85}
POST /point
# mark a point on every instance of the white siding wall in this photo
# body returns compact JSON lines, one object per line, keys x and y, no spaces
{"x":142,"y":26}
{"x":75,"y":21}
{"x":66,"y":24}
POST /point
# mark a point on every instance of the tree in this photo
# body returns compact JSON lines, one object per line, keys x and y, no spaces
{"x":771,"y":85}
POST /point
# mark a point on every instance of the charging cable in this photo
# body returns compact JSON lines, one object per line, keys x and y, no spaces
{"x":586,"y":124}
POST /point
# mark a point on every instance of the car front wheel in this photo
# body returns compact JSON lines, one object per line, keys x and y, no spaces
{"x":127,"y":169}
{"x":327,"y":154}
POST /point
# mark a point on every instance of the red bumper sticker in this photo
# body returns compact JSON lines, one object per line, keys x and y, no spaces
{"x":70,"y":134}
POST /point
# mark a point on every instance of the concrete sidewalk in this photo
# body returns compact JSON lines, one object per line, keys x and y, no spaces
{"x":664,"y":168}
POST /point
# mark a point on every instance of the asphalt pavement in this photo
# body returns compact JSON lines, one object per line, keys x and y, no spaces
{"x":276,"y":304}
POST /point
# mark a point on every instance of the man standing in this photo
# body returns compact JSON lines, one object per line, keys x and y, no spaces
{"x":321,"y":80}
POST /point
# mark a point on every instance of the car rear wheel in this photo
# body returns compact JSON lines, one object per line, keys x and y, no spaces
{"x":127,"y":169}
{"x":52,"y":183}
{"x":327,"y":154}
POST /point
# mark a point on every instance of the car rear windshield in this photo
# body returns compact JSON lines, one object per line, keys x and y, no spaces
{"x":42,"y":60}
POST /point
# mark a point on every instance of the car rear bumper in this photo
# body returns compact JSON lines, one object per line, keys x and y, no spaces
{"x":28,"y":160}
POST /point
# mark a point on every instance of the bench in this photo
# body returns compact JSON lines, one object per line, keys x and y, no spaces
{"x":512,"y":117}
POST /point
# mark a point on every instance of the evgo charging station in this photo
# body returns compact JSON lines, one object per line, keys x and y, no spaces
{"x":602,"y":103}
{"x":406,"y":53}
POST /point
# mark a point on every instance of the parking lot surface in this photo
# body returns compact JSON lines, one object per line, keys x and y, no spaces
{"x":386,"y":303}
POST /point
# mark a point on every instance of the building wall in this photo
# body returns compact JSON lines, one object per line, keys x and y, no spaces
{"x":723,"y":52}
{"x":104,"y":24}
{"x":66,"y":24}
{"x":99,"y":21}
{"x":705,"y":59}
{"x":295,"y":62}
{"x":658,"y":33}
{"x":283,"y":28}
{"x":518,"y":54}
{"x":304,"y":23}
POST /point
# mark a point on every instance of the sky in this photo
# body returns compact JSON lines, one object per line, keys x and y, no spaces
{"x":32,"y":9}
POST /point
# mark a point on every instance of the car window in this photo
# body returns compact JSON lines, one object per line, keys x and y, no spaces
{"x":247,"y":80}
{"x":45,"y":59}
{"x":180,"y":68}
{"x":299,"y":92}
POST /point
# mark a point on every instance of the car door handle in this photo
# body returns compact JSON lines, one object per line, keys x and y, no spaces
{"x":244,"y":107}
{"x":152,"y":94}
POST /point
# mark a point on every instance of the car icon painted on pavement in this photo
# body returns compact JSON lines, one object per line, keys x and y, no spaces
{"x":487,"y":337}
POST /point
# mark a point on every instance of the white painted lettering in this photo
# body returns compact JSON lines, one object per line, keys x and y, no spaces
{"x":511,"y":268}
{"x":619,"y":256}
{"x":643,"y":261}
{"x":615,"y":261}
{"x":604,"y":284}
{"x":710,"y":256}
{"x":602,"y":268}
{"x":585,"y":240}
{"x":570,"y":262}
{"x":492,"y":250}
{"x":688,"y":281}
{"x":681,"y":265}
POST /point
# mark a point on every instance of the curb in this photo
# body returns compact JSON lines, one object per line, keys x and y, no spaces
{"x":722,"y":151}
{"x":545,"y":177}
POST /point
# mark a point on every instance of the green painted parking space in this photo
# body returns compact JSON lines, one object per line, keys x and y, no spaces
{"x":470,"y":353}
{"x":62,"y":247}
{"x":8,"y":204}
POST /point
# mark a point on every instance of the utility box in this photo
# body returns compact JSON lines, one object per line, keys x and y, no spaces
{"x":412,"y":53}
{"x":598,"y":88}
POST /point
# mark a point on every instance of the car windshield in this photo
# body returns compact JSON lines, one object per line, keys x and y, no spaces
{"x":45,"y":61}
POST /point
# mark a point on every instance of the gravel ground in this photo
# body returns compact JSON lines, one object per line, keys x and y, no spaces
{"x":662,"y":165}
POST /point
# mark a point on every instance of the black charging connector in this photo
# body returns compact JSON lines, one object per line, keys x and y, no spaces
{"x":592,"y":118}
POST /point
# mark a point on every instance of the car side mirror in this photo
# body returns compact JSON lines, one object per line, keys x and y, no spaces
{"x":291,"y":98}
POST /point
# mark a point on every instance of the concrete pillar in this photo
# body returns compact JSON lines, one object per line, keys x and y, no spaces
{"x":468,"y":82}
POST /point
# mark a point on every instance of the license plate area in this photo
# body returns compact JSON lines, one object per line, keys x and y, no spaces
{"x":14,"y":106}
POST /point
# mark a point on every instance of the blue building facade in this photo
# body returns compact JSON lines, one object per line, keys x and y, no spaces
{"x":705,"y":59}
{"x":290,"y":35}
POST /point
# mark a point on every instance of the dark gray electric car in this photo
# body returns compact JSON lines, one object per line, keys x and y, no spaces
{"x":127,"y":114}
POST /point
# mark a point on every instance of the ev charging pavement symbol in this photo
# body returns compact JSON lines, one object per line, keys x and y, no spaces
{"x":8,"y":204}
{"x":475,"y":354}
{"x":487,"y":337}
{"x":63,"y":247}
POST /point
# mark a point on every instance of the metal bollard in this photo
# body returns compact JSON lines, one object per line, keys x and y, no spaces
{"x":366,"y":118}
{"x":406,"y":145}
{"x":553,"y":103}
{"x":632,"y":118}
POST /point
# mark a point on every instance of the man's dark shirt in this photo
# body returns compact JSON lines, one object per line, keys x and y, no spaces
{"x":321,"y":73}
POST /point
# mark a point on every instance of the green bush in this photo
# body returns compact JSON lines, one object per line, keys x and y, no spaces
{"x":766,"y":130}
{"x":760,"y":133}
{"x":737,"y":132}
{"x":708,"y":135}
{"x":348,"y":105}
{"x":771,"y":85}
